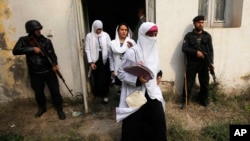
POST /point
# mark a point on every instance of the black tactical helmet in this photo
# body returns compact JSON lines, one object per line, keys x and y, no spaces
{"x":32,"y":25}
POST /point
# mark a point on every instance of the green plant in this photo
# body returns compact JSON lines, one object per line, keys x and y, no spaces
{"x":216,"y":132}
{"x":175,"y":132}
{"x":11,"y":137}
{"x":216,"y":94}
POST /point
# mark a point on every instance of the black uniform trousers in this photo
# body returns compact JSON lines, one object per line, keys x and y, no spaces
{"x":192,"y":68}
{"x":146,"y":124}
{"x":38,"y":81}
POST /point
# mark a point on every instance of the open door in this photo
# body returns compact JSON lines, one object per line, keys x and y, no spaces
{"x":150,"y":11}
{"x":111,"y":13}
{"x":80,"y":31}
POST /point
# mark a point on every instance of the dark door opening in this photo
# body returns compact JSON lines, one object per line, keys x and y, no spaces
{"x":112,"y":12}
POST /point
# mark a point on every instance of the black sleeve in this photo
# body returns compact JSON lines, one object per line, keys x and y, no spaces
{"x":211,"y":49}
{"x":186,"y":47}
{"x":21,"y":47}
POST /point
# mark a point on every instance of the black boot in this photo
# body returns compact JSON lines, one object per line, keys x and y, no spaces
{"x":60,"y":113}
{"x":40,"y":112}
{"x":204,"y":103}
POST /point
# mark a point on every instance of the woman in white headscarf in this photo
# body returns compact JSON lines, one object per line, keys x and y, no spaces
{"x":147,"y":122}
{"x":96,"y":48}
{"x":118,"y":46}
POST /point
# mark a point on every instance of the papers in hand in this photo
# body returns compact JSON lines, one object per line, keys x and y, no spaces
{"x":139,"y":70}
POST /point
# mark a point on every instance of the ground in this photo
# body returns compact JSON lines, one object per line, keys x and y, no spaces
{"x":99,"y":124}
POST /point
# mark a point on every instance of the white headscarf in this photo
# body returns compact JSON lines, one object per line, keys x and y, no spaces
{"x":148,"y":46}
{"x":94,"y":38}
{"x":117,"y":49}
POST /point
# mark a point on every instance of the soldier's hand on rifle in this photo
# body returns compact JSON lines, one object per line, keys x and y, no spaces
{"x":200,"y":54}
{"x":37,"y":50}
{"x":211,"y":67}
{"x":55,"y":68}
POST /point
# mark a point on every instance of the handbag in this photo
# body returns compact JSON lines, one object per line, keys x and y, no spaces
{"x":136,"y":99}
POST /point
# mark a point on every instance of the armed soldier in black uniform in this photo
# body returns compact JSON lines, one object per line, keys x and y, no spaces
{"x":42,"y":66}
{"x":198,"y":48}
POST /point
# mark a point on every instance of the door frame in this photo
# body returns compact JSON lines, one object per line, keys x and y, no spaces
{"x":80,"y":41}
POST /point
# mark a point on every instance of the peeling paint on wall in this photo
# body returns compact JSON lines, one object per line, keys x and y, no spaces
{"x":12,"y":72}
{"x":4,"y":14}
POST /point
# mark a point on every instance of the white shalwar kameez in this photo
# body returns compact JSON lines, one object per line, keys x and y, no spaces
{"x":96,"y":48}
{"x":146,"y":123}
{"x":117,"y":50}
{"x":148,"y":55}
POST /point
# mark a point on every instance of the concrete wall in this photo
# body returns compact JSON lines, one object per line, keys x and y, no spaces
{"x":231,"y":45}
{"x":59,"y":18}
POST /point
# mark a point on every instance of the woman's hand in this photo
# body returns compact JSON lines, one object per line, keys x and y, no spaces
{"x":129,"y":44}
{"x":158,"y":80}
{"x":142,"y":79}
{"x":92,"y":66}
{"x":112,"y":74}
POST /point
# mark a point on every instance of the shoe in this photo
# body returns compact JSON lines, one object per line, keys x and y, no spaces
{"x":204,"y":103}
{"x":106,"y":100}
{"x":61,"y":115}
{"x":183,"y":106}
{"x":40,"y":112}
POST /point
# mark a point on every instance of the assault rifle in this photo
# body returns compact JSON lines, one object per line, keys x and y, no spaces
{"x":32,"y":40}
{"x":209,"y":64}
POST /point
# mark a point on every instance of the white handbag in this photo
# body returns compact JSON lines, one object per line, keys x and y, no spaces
{"x":136,"y":99}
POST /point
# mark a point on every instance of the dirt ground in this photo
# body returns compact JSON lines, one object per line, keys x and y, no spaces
{"x":18,"y":118}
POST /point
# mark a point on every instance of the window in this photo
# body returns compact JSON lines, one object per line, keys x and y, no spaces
{"x":221,"y":13}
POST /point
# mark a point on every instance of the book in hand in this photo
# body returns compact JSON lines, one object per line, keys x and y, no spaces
{"x":139,"y":70}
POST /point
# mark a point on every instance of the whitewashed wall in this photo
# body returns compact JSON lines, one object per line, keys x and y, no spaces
{"x":231,"y":45}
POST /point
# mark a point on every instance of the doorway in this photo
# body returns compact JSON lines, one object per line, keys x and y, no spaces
{"x":111,"y":13}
